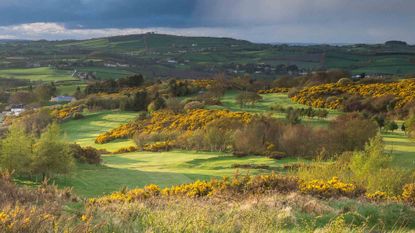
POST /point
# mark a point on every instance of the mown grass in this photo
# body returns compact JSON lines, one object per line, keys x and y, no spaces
{"x":401,"y":148}
{"x":84,"y":131}
{"x":164,"y":169}
{"x":263,"y":107}
{"x":45,"y":74}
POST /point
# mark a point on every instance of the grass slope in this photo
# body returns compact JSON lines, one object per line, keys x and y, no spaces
{"x":164,"y":169}
{"x":85,"y":131}
{"x":401,"y":148}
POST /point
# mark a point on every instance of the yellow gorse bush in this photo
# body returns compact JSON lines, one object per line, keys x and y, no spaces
{"x":380,"y":196}
{"x":66,"y":112}
{"x":166,"y":121}
{"x":329,"y":95}
{"x":158,"y":146}
{"x":19,"y":219}
{"x":274,"y":90}
{"x":236,"y":185}
{"x":329,"y":188}
{"x":408,"y":194}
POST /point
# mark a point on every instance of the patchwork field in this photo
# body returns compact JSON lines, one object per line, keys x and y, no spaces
{"x":45,"y":74}
{"x":107,"y":73}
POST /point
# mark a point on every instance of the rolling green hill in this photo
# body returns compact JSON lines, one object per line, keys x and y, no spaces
{"x":157,"y":55}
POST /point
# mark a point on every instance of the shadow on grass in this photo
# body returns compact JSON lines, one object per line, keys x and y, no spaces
{"x":92,"y":181}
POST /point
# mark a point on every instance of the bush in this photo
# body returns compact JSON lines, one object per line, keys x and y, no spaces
{"x":193,"y":105}
{"x":408,"y":194}
{"x":330,"y":188}
{"x":88,"y":155}
{"x":227,"y":186}
{"x":78,"y":116}
{"x":126,"y":150}
{"x":158,"y":146}
{"x":251,"y":166}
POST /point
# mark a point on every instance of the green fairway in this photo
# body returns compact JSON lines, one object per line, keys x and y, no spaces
{"x":45,"y":74}
{"x":264,"y":105}
{"x":85,"y":131}
{"x":401,"y":148}
{"x":164,"y":169}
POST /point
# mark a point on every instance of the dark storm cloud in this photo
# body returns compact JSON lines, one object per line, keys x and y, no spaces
{"x":326,"y":21}
{"x":99,"y":13}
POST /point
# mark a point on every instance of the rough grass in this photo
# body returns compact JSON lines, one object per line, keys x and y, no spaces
{"x":45,"y":74}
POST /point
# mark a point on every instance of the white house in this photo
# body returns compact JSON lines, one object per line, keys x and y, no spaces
{"x":15,"y":110}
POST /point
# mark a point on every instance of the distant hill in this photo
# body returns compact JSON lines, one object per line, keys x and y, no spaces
{"x":160,"y":56}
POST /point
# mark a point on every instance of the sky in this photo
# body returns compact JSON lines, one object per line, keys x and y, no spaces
{"x":264,"y":21}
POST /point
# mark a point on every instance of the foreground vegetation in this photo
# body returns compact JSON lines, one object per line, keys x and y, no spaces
{"x":241,"y":204}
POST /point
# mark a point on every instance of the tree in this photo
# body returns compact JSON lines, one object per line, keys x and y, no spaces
{"x":139,"y":102}
{"x":218,"y":88}
{"x":35,"y":123}
{"x":403,"y":128}
{"x":391,"y":126}
{"x":16,"y":150}
{"x":51,"y":154}
{"x":174,"y":104}
{"x":410,"y":126}
{"x":22,"y":97}
{"x":45,"y":92}
{"x":157,"y":104}
{"x":78,"y":94}
{"x":380,"y":121}
{"x":247,"y":97}
{"x":131,"y":81}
